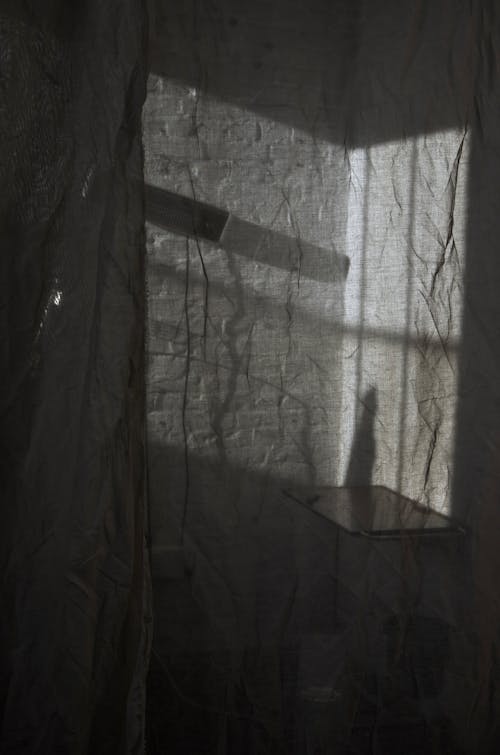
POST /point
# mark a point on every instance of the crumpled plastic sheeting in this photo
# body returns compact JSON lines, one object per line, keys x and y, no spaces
{"x":342,"y":331}
{"x":74,"y":611}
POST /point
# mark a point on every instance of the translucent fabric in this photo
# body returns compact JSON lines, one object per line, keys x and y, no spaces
{"x":272,"y":355}
{"x":74,"y":612}
{"x":322,"y":382}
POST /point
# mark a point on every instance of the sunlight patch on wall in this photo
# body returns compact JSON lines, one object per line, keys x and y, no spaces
{"x":403,"y":310}
{"x":301,"y":367}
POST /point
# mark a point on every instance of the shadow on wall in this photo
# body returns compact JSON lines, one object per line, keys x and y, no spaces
{"x":265,"y":246}
{"x":345,"y":70}
{"x":363,"y":450}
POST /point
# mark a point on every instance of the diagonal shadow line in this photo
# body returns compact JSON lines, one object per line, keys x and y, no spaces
{"x":183,"y":215}
{"x":195,"y":219}
{"x":160,"y":270}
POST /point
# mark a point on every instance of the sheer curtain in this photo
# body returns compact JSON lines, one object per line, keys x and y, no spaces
{"x":74,"y":610}
{"x":315,"y":426}
{"x":316,"y":340}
